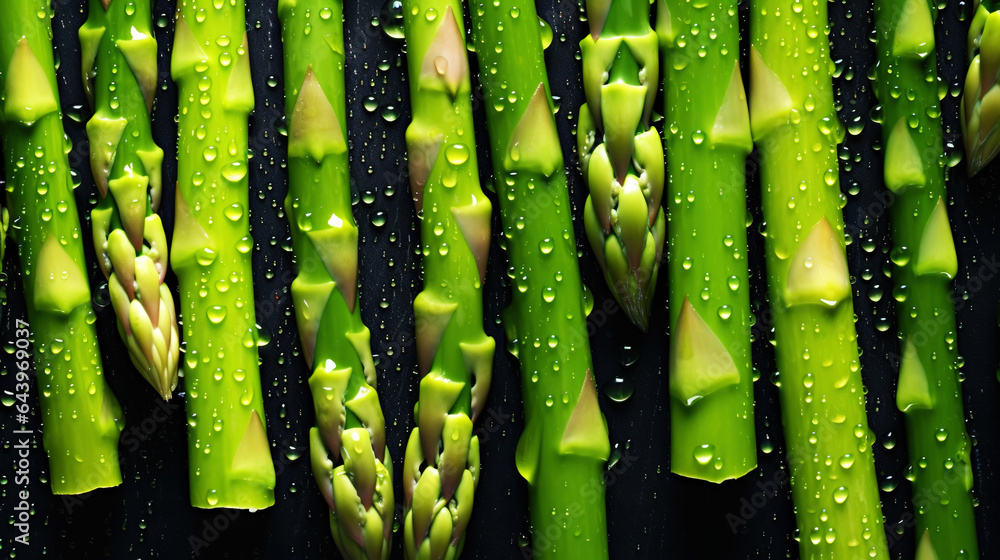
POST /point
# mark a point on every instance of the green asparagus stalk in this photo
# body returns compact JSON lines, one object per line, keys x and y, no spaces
{"x":119,"y":69}
{"x":708,"y":138}
{"x":795,"y":123}
{"x":4,"y":221}
{"x":621,"y":155}
{"x":81,"y":417}
{"x":980,"y":107}
{"x":926,"y":263}
{"x":455,"y":357}
{"x":349,"y":455}
{"x":229,"y":454}
{"x":565,"y":441}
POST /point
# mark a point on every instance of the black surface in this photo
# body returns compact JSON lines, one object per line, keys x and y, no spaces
{"x":651,"y":513}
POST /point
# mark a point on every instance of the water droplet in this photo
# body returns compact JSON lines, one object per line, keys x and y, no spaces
{"x":216,"y":313}
{"x":619,"y":389}
{"x":704,"y":454}
{"x":457,"y":154}
{"x":840,"y":495}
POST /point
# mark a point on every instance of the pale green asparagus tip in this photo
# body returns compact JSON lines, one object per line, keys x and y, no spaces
{"x":621,"y":156}
{"x":980,"y":107}
{"x":119,"y":70}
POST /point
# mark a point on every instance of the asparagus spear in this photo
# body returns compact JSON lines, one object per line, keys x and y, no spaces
{"x":81,"y":416}
{"x":349,"y":456}
{"x":980,"y":112}
{"x":565,"y":441}
{"x":119,"y":69}
{"x":229,"y":454}
{"x":925,"y":259}
{"x":621,"y":156}
{"x":795,"y":123}
{"x":455,"y":357}
{"x":708,"y":139}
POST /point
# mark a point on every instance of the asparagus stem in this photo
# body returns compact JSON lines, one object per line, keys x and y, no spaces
{"x":441,"y":467}
{"x":120,"y":78}
{"x":565,"y":441}
{"x":980,"y":112}
{"x":349,"y":456}
{"x":794,"y":121}
{"x":926,"y":263}
{"x":621,"y":156}
{"x":81,"y":417}
{"x":708,"y":138}
{"x":229,"y":454}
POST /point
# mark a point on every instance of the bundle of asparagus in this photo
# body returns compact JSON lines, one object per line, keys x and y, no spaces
{"x":441,"y":467}
{"x":349,"y":456}
{"x":119,"y":69}
{"x":795,"y":124}
{"x":81,"y":417}
{"x":926,"y":262}
{"x":708,"y":139}
{"x":621,"y":156}
{"x":565,"y":441}
{"x":229,"y":454}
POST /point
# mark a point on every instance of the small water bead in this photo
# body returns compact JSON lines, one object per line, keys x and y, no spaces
{"x":234,"y":212}
{"x":235,"y":171}
{"x":704,"y":454}
{"x":619,"y":389}
{"x":840,"y":495}
{"x":549,"y":294}
{"x":847,"y":461}
{"x":457,"y":154}
{"x":546,"y":245}
{"x":210,"y":153}
{"x":216,"y":313}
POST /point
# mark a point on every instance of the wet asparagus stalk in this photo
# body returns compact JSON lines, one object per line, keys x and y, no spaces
{"x":564,"y":445}
{"x":80,"y":416}
{"x":708,"y":138}
{"x":794,"y":122}
{"x":119,"y":69}
{"x":229,"y":454}
{"x":926,"y":263}
{"x":621,"y":155}
{"x":349,"y":456}
{"x":455,"y":357}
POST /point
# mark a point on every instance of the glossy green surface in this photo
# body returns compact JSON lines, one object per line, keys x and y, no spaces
{"x":454,"y":355}
{"x":564,"y":446}
{"x":707,"y":130}
{"x":81,"y":417}
{"x":229,"y":454}
{"x":926,"y":263}
{"x":120,"y":77}
{"x":325,"y":241}
{"x":795,"y":125}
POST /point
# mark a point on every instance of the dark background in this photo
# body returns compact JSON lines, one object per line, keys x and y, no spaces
{"x":651,"y":513}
